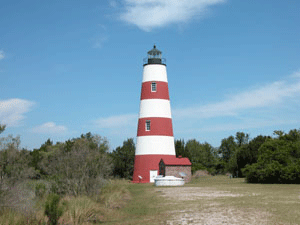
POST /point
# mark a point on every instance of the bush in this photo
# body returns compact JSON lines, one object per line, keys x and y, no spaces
{"x":197,"y":166}
{"x":40,"y":189}
{"x":52,"y":209}
{"x":80,"y":170}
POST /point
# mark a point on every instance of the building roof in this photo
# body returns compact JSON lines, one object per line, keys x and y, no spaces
{"x":177,"y":161}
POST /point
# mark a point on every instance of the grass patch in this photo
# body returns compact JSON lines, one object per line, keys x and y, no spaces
{"x":145,"y":206}
{"x":205,"y":200}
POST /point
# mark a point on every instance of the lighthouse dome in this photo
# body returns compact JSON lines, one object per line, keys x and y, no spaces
{"x":154,"y":57}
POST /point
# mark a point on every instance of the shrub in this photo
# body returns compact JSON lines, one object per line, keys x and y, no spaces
{"x":80,"y":170}
{"x":40,"y":189}
{"x":52,"y":209}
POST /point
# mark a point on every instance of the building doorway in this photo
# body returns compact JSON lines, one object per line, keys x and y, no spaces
{"x":153,"y":174}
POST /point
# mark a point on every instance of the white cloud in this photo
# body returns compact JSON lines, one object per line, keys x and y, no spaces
{"x":265,"y":96}
{"x":49,"y":128}
{"x":116,"y":121}
{"x":2,"y":55}
{"x":99,"y":41}
{"x":248,"y":124}
{"x":12,"y":111}
{"x":149,"y":14}
{"x":296,"y":74}
{"x":113,"y":3}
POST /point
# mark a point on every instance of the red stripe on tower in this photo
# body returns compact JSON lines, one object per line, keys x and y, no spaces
{"x":155,"y":139}
{"x":155,"y":89}
{"x":155,"y":126}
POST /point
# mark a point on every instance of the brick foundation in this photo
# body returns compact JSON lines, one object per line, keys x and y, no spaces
{"x":175,"y":170}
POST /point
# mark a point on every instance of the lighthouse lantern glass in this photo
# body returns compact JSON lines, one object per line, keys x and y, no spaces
{"x":154,"y":56}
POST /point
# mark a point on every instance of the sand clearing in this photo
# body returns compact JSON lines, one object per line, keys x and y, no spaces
{"x":202,"y":206}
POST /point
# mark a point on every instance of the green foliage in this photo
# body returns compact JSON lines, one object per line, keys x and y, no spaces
{"x":227,"y":148}
{"x":52,"y":209}
{"x":202,"y":156}
{"x":45,"y":147}
{"x":80,"y":170}
{"x":77,"y":166}
{"x":2,"y":128}
{"x":123,"y":159}
{"x":14,"y":163}
{"x":241,"y":138}
{"x":201,"y":153}
{"x":278,"y":160}
{"x":181,"y":149}
{"x":40,"y":189}
{"x":245,"y":154}
{"x":197,"y":166}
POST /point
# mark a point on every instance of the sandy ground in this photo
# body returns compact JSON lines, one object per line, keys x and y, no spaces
{"x":202,"y":206}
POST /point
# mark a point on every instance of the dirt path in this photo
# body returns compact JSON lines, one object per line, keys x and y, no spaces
{"x":201,"y":205}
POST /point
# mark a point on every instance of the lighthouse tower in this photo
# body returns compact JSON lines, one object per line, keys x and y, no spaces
{"x":155,"y":140}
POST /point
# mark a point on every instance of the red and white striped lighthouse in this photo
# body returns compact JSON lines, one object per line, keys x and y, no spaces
{"x":155,"y":140}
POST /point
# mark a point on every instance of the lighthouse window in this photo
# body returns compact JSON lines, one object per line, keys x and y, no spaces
{"x":147,"y":125}
{"x":153,"y":87}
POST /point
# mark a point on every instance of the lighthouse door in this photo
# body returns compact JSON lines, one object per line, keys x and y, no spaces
{"x":153,"y":174}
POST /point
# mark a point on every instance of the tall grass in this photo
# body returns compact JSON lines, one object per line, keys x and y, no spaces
{"x":114,"y":194}
{"x":77,"y":210}
{"x":81,"y":210}
{"x":117,"y":202}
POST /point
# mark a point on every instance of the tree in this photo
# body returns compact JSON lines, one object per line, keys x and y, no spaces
{"x":278,"y":160}
{"x":38,"y":155}
{"x":227,"y":148}
{"x":46,"y":146}
{"x":14,"y":163}
{"x":123,"y":159}
{"x":80,"y":170}
{"x":241,"y":138}
{"x":202,"y":156}
{"x":2,"y":128}
{"x":246,"y":154}
{"x":181,"y":149}
{"x":230,"y":149}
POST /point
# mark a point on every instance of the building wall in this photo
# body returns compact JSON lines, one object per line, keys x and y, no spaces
{"x":175,"y":170}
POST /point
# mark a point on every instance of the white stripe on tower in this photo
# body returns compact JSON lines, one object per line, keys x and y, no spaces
{"x":155,"y":72}
{"x":155,"y":108}
{"x":160,"y":145}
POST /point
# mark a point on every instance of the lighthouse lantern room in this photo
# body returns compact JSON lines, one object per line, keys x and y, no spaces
{"x":155,"y":140}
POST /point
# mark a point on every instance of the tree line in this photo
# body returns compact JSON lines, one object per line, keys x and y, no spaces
{"x":83,"y":164}
{"x":263,"y":159}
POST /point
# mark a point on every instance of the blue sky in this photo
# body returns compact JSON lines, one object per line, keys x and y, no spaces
{"x":72,"y":67}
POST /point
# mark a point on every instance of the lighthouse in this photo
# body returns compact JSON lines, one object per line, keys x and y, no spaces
{"x":155,"y":140}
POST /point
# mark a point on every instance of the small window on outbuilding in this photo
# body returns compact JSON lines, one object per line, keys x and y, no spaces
{"x":147,"y":125}
{"x":153,"y":87}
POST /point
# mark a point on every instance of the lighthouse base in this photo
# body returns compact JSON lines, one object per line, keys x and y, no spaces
{"x":144,"y":165}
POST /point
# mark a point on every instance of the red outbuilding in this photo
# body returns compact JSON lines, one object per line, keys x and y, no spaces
{"x":177,"y":167}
